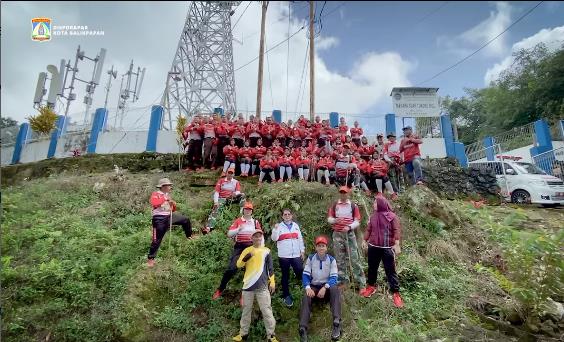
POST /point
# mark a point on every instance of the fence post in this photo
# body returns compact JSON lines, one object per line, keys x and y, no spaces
{"x":154,"y":126}
{"x":334,"y":119}
{"x":55,"y":135}
{"x":277,"y":115}
{"x":488,"y":145}
{"x":544,"y":144}
{"x":390,"y":123}
{"x":446,"y":129}
{"x":20,"y":142}
{"x":97,"y":127}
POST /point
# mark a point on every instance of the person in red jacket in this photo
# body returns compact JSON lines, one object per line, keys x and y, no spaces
{"x":231,"y":152}
{"x":193,"y":133}
{"x":222,"y":129}
{"x":356,"y":134}
{"x":302,"y":164}
{"x":246,"y":158}
{"x":258,"y":153}
{"x":277,"y":150}
{"x":382,"y":238}
{"x":282,"y":134}
{"x":366,"y":150}
{"x":163,"y":212}
{"x":267,"y":165}
{"x":362,"y":172}
{"x":343,"y":128}
{"x":238,"y":132}
{"x":210,"y":142}
{"x":379,"y":174}
{"x":285,"y":166}
{"x":409,"y":146}
{"x":323,"y":167}
{"x":253,"y":132}
{"x":268,"y":132}
{"x":302,"y":121}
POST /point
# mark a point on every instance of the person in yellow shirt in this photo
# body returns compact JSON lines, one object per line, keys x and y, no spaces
{"x":258,"y":282}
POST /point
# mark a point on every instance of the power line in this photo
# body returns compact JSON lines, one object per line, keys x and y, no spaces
{"x":483,"y":46}
{"x":431,"y":13}
{"x":241,"y":16}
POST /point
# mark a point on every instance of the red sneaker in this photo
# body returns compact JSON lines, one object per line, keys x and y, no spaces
{"x":216,"y":294}
{"x":398,"y":302}
{"x":150,"y":262}
{"x":369,"y":291}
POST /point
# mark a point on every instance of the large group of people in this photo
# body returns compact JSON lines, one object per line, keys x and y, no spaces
{"x":323,"y":276}
{"x":304,"y":150}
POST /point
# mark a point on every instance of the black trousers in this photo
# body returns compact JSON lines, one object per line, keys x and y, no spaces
{"x":232,"y":267}
{"x":253,"y":141}
{"x":195,"y":153}
{"x":210,"y":151}
{"x":220,"y":157}
{"x":332,"y":294}
{"x":343,"y":180}
{"x":239,"y":142}
{"x":356,"y":141}
{"x":375,"y":255}
{"x":161,"y":224}
{"x":285,"y":264}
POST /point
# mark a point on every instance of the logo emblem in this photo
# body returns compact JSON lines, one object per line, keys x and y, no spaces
{"x":41,"y":29}
{"x":397,"y":96}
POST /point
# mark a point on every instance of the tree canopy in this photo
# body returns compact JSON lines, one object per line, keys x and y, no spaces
{"x":530,"y":89}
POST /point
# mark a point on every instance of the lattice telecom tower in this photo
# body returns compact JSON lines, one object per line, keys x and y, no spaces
{"x":201,"y":77}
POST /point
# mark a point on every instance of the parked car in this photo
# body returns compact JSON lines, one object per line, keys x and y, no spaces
{"x":523,"y":182}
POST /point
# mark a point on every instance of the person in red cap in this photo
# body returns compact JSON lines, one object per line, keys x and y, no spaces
{"x":320,"y":282}
{"x":383,"y":239}
{"x":241,"y":231}
{"x":227,"y":191}
{"x":344,"y":216}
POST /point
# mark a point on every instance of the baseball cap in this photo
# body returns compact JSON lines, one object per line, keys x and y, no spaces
{"x":248,"y":205}
{"x":380,"y":135}
{"x":257,"y":231}
{"x":344,"y":189}
{"x":231,"y":169}
{"x":321,"y":239}
{"x":391,"y":134}
{"x":406,"y":127}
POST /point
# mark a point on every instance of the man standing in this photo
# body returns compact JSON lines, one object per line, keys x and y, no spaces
{"x":163,"y":212}
{"x":320,"y":282}
{"x":258,"y":282}
{"x":210,"y":142}
{"x":241,"y":231}
{"x":344,"y":216}
{"x":392,"y":156}
{"x":227,"y":191}
{"x":291,"y":249}
{"x":411,"y":155}
{"x":193,"y":133}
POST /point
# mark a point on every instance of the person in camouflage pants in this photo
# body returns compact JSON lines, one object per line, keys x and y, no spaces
{"x":344,"y":216}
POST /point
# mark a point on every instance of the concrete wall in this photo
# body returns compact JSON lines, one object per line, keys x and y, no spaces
{"x":121,"y":142}
{"x":433,"y":148}
{"x":70,"y":142}
{"x":35,"y":151}
{"x":7,"y":154}
{"x":166,"y":142}
{"x":525,"y":152}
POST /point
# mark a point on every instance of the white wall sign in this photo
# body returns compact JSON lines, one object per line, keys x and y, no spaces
{"x":416,"y":104}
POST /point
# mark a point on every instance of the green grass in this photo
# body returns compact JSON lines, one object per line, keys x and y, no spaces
{"x":73,"y":267}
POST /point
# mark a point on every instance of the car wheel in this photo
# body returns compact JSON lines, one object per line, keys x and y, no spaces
{"x":520,"y":197}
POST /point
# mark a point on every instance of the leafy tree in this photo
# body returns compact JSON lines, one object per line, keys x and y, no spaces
{"x":7,"y":122}
{"x":44,"y":122}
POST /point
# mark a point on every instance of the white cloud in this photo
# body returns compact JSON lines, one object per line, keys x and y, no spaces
{"x":552,"y":38}
{"x":326,"y":43}
{"x":466,"y":42}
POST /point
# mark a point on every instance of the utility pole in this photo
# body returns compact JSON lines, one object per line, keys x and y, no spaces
{"x":261,"y":58}
{"x":311,"y":63}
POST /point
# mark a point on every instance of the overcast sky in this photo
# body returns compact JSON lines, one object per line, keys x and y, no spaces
{"x":363,"y":51}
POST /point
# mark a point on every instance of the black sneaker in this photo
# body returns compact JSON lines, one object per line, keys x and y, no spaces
{"x":303,"y":335}
{"x":336,"y":334}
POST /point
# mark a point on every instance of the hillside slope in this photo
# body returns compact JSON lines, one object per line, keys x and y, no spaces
{"x":73,"y":266}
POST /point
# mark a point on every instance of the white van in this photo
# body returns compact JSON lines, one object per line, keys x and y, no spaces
{"x":525,"y":182}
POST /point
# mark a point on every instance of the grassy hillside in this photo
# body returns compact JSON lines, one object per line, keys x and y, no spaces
{"x":73,"y":266}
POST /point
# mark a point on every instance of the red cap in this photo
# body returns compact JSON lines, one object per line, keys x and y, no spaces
{"x":344,"y":189}
{"x":248,"y":205}
{"x":321,"y":239}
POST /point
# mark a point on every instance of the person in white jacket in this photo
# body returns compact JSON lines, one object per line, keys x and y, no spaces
{"x":291,"y":249}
